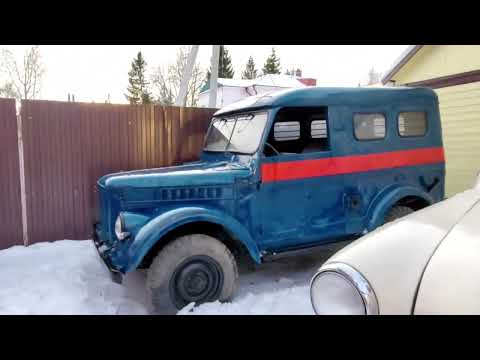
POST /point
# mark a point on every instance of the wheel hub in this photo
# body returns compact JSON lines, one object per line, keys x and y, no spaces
{"x":198,"y":279}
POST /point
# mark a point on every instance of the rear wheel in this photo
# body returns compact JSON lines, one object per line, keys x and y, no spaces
{"x":397,"y":212}
{"x":193,"y":268}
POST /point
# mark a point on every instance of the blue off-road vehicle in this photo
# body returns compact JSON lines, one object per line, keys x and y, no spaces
{"x":279,"y":172}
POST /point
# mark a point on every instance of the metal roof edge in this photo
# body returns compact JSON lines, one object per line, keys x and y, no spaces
{"x":400,"y":61}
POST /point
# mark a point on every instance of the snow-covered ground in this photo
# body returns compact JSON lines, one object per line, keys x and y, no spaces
{"x":67,"y":277}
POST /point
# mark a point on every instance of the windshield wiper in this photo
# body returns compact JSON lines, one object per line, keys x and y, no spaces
{"x":237,"y":152}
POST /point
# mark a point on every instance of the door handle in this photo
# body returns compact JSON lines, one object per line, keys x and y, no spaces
{"x":352,"y":201}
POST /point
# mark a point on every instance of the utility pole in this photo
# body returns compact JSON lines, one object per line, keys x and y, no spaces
{"x":187,"y":74}
{"x":212,"y":101}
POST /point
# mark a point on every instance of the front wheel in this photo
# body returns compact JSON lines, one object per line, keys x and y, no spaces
{"x":193,"y":268}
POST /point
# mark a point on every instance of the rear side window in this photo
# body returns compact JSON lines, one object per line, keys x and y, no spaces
{"x":318,"y":129}
{"x":369,"y":126}
{"x":286,"y":131}
{"x":412,"y":123}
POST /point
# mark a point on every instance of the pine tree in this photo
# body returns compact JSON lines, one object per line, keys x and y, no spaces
{"x":272,"y":64}
{"x":250,"y":72}
{"x":225,"y":68}
{"x":138,"y":86}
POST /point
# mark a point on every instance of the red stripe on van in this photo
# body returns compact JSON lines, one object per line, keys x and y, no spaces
{"x":303,"y":169}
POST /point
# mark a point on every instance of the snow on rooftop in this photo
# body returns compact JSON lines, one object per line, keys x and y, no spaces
{"x":376,"y":85}
{"x":235,"y":82}
{"x":286,"y":81}
{"x":273,"y":80}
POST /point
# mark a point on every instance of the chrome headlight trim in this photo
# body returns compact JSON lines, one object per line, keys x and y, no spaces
{"x":359,"y":282}
{"x":120,"y":232}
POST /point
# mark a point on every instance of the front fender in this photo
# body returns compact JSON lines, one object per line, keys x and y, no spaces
{"x":387,"y":198}
{"x":159,"y":226}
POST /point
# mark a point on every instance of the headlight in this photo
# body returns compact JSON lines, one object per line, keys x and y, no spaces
{"x":339,"y":289}
{"x":120,"y":227}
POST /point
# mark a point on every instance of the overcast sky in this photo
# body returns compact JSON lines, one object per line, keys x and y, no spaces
{"x":91,"y":72}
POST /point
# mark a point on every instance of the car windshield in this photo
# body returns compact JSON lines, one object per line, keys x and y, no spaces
{"x":237,"y":134}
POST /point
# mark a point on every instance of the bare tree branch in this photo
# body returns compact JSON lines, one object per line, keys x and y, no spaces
{"x":7,"y":90}
{"x":166,"y":82}
{"x":26,"y":79}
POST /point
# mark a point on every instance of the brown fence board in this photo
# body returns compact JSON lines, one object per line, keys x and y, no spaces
{"x":68,"y":146}
{"x":10,"y":200}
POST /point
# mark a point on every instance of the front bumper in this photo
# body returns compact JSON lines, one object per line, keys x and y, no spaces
{"x":115,"y":275}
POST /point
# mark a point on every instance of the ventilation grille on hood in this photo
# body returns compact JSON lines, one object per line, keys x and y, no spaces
{"x":177,"y":194}
{"x":197,"y":193}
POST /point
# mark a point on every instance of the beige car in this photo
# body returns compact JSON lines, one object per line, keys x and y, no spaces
{"x":425,"y":263}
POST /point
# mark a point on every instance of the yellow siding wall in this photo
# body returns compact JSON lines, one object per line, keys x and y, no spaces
{"x":460,"y":114}
{"x":434,"y":61}
{"x":459,"y":107}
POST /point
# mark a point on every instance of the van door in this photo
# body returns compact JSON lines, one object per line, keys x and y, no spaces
{"x":324,"y":192}
{"x":281,"y":200}
{"x":300,"y":204}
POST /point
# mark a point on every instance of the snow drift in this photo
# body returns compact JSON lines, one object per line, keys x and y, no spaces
{"x":67,"y":277}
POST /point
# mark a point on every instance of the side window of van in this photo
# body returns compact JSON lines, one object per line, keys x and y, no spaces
{"x":298,"y":131}
{"x":369,"y":126}
{"x":412,"y":123}
{"x":286,"y":131}
{"x":317,"y":139}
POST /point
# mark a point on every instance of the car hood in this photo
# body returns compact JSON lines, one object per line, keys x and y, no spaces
{"x":193,"y":174}
{"x":450,"y":284}
{"x":393,"y":257}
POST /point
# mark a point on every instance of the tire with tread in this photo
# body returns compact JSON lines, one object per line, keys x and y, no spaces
{"x":166,"y":264}
{"x":397,"y":212}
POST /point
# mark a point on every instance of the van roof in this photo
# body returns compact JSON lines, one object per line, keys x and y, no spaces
{"x":318,"y":96}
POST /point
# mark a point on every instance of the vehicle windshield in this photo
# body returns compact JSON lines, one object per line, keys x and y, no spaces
{"x":237,"y":133}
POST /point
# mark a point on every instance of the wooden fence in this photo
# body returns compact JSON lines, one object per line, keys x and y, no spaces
{"x":10,"y":203}
{"x":68,"y":146}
